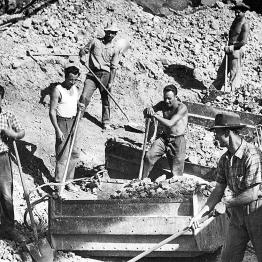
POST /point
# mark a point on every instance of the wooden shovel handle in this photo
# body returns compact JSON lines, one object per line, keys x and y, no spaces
{"x":169,"y":239}
{"x":148,"y":120}
{"x":26,"y":193}
{"x":97,"y":79}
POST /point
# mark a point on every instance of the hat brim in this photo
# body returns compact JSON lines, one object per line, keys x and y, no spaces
{"x":227,"y":127}
{"x":241,"y":8}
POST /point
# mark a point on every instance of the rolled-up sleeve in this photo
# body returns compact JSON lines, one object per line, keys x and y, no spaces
{"x":115,"y":60}
{"x":15,"y":124}
{"x":220,"y":172}
{"x":253,"y":169}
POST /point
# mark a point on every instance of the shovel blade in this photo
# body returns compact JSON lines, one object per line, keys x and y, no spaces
{"x":41,"y":251}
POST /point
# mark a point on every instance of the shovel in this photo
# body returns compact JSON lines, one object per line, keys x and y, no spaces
{"x":148,"y":120}
{"x":219,"y":209}
{"x":130,"y":126}
{"x":61,"y":189}
{"x":41,"y":250}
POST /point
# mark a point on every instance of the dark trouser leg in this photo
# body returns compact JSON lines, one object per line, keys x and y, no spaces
{"x":254,"y":227}
{"x":176,"y":153}
{"x":235,"y":73}
{"x":62,"y":151}
{"x":104,"y":78}
{"x":157,"y":150}
{"x":89,"y":89}
{"x":6,"y":192}
{"x":220,"y":79}
{"x":236,"y":237}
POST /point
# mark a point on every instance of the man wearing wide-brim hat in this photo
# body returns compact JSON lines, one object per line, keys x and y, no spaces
{"x":102,"y":58}
{"x":234,"y":51}
{"x":239,"y":169}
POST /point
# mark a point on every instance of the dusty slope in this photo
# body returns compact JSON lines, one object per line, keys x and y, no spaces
{"x":183,"y":49}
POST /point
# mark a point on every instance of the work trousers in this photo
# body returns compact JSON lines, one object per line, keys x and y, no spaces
{"x":6,"y":192}
{"x":175,"y":150}
{"x":235,"y":61}
{"x":62,"y":150}
{"x":89,"y":88}
{"x":243,"y":227}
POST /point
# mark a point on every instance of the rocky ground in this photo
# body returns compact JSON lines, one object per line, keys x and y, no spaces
{"x":182,"y":47}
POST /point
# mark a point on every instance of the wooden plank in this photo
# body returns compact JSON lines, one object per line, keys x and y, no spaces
{"x":119,"y":225}
{"x":123,"y":243}
{"x":210,"y":112}
{"x":106,"y":208}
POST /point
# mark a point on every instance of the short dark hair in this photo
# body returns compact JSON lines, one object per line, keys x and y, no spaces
{"x":71,"y":70}
{"x":171,"y":88}
{"x":2,"y":91}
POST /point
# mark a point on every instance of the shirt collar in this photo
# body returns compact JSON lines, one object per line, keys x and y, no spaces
{"x":240,"y":151}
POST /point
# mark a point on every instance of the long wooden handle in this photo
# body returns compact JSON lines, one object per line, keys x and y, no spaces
{"x":226,"y":69}
{"x":26,"y":193}
{"x":61,"y":189}
{"x":97,"y":79}
{"x":167,"y":240}
{"x":148,"y":120}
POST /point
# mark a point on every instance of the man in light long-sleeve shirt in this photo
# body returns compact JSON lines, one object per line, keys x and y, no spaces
{"x":102,"y":60}
{"x":239,"y":169}
{"x":10,"y":129}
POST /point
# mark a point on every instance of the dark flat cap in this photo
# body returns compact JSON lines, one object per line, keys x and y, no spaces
{"x":241,"y":6}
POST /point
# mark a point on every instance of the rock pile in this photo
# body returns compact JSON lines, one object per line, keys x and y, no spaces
{"x":177,"y":188}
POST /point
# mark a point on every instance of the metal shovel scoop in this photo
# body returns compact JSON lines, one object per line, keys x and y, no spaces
{"x":41,"y":250}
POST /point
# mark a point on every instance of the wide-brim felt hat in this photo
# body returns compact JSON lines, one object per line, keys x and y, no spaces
{"x":241,"y":6}
{"x":227,"y":120}
{"x":112,"y":27}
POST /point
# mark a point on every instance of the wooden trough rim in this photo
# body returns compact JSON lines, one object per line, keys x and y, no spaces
{"x":209,"y":112}
{"x":124,"y":201}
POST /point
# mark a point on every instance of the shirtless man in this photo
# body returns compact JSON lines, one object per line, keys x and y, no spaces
{"x":172,"y":141}
{"x":238,"y":35}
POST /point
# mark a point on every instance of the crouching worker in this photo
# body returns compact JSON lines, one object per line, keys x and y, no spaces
{"x":10,"y":130}
{"x":172,"y":141}
{"x":239,"y":169}
{"x":63,"y":110}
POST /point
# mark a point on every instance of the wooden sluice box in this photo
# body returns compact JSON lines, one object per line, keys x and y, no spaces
{"x":126,"y":227}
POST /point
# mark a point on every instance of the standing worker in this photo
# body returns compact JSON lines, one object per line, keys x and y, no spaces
{"x":10,"y":130}
{"x":240,"y":169}
{"x":63,"y":110}
{"x":238,"y":35}
{"x":172,"y":141}
{"x":103,"y":58}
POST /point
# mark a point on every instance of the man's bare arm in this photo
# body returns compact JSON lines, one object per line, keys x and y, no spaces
{"x":52,"y":112}
{"x":247,"y":196}
{"x":150,"y":111}
{"x":182,"y":111}
{"x":212,"y":200}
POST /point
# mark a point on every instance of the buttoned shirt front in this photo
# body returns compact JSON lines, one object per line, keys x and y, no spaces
{"x":101,"y":57}
{"x":241,"y":170}
{"x":7,"y":120}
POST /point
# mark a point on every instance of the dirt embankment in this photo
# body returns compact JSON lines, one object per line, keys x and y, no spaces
{"x":182,"y":48}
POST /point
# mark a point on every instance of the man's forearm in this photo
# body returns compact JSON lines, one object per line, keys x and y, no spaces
{"x":244,"y":198}
{"x":112,"y":75}
{"x":54,"y":121}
